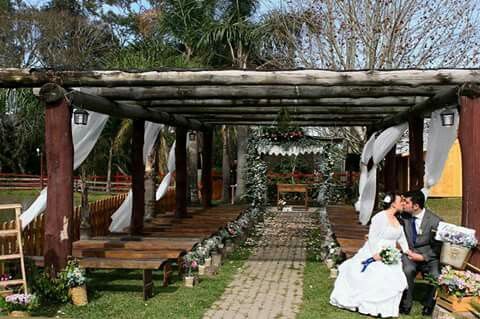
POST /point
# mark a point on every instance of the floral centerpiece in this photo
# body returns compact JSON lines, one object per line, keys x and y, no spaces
{"x":75,"y":279}
{"x":457,"y":244}
{"x":19,"y":304}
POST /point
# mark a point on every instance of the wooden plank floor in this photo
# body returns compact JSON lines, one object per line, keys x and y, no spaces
{"x":349,"y":233}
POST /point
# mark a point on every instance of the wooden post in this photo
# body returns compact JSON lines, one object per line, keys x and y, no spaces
{"x":59,"y":155}
{"x":181,"y":172}
{"x":390,"y":171}
{"x":207,"y":169}
{"x":416,"y":162}
{"x":138,"y":180}
{"x":469,"y":136}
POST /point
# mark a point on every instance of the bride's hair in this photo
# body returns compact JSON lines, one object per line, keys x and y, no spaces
{"x":389,"y":199}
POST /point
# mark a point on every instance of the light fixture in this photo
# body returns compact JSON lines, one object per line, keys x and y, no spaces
{"x":80,"y":116}
{"x":448,"y":118}
{"x":192,"y":136}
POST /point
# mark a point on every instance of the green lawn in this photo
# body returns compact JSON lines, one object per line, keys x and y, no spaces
{"x":450,"y":209}
{"x":118,"y":294}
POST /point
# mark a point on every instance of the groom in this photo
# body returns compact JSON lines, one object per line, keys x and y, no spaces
{"x":420,"y":225}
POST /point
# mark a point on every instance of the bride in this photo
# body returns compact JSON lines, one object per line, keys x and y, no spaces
{"x":366,"y":284}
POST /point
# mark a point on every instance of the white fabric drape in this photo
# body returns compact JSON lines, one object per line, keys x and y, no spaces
{"x":367,"y":154}
{"x":163,"y":187}
{"x":84,"y":138}
{"x":121,"y":217}
{"x":440,"y":140}
{"x":381,"y":146}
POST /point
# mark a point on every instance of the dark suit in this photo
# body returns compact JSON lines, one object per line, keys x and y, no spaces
{"x":428,"y":247}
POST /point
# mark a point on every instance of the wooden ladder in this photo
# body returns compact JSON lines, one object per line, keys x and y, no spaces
{"x":17,"y":231}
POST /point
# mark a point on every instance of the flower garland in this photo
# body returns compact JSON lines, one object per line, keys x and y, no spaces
{"x":256,"y":173}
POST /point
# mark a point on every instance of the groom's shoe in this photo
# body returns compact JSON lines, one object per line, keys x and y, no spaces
{"x":427,"y":310}
{"x":404,"y":311}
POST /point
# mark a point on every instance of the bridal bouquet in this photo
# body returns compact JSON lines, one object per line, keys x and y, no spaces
{"x":390,"y":255}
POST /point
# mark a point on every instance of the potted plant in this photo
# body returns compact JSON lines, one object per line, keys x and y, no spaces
{"x":189,"y":264}
{"x":19,"y":305}
{"x":75,"y":279}
{"x":457,"y":289}
{"x":457,"y":244}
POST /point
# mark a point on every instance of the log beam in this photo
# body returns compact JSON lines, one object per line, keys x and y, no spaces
{"x":181,"y":187}
{"x":138,"y":180}
{"x":257,"y":92}
{"x":301,"y":109}
{"x":207,"y":181}
{"x":102,"y":105}
{"x":469,"y":136}
{"x":442,"y":99}
{"x":59,"y":155}
{"x":10,"y":78}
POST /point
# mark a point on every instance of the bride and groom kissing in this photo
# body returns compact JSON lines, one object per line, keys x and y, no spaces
{"x":370,"y":286}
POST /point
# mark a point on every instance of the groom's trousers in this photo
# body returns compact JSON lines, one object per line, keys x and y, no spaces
{"x":411,"y":268}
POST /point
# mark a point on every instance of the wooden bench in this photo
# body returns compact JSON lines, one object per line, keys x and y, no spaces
{"x":146,"y":254}
{"x":293,"y":188}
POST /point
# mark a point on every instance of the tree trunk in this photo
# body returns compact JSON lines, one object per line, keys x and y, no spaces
{"x":225,"y":164}
{"x":416,"y":162}
{"x":85,"y":227}
{"x":109,"y":169}
{"x":58,"y":218}
{"x":181,"y":172}
{"x":150,"y":186}
{"x":192,"y":169}
{"x":242,"y":135}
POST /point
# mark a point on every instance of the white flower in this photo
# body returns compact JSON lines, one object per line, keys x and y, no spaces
{"x":387,"y":199}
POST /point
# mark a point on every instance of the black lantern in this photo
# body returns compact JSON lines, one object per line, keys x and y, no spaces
{"x":448,"y":118}
{"x":80,"y":116}
{"x":192,"y":136}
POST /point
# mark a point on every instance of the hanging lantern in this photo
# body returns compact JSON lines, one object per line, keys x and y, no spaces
{"x":80,"y":117}
{"x":192,"y":136}
{"x":448,"y":118}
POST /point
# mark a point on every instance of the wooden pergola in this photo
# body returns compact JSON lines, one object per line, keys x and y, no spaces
{"x":201,"y":99}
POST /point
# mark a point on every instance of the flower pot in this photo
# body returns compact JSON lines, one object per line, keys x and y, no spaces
{"x":454,"y":303}
{"x":79,"y":295}
{"x":216,"y":260}
{"x":229,"y":247}
{"x":19,"y":314}
{"x":208,"y":262}
{"x":333,"y":273}
{"x":455,"y":255}
{"x":330,"y":263}
{"x":202,"y":270}
{"x":189,"y":281}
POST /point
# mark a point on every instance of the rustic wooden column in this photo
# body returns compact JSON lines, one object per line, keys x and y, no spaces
{"x":138,"y":180}
{"x":207,"y":169}
{"x":59,"y":155}
{"x":390,"y":170}
{"x":469,"y":136}
{"x":416,"y":162}
{"x":181,"y":172}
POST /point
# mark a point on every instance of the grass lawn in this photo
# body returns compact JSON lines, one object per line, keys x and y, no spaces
{"x":449,"y":209}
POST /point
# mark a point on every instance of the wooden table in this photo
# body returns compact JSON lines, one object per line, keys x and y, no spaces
{"x":293,"y":188}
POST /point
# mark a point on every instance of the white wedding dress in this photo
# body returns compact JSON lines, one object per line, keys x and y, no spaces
{"x":378,"y":290}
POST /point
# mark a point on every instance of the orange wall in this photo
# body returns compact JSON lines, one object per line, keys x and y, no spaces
{"x":450,"y":184}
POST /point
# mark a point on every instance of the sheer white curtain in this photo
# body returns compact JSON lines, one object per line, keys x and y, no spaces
{"x":84,"y":138}
{"x":163,"y":187}
{"x":367,"y":154}
{"x":121,"y":217}
{"x":381,"y":146}
{"x":440,"y":140}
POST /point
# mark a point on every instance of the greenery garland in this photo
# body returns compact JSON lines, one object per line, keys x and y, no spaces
{"x":256,"y":173}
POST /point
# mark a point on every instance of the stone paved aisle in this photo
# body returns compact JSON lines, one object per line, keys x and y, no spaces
{"x":270,"y":284}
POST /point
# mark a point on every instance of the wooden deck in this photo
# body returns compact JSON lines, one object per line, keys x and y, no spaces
{"x":349,"y":233}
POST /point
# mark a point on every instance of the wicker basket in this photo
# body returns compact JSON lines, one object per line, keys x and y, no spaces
{"x":455,"y":255}
{"x":19,"y":314}
{"x":79,"y":295}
